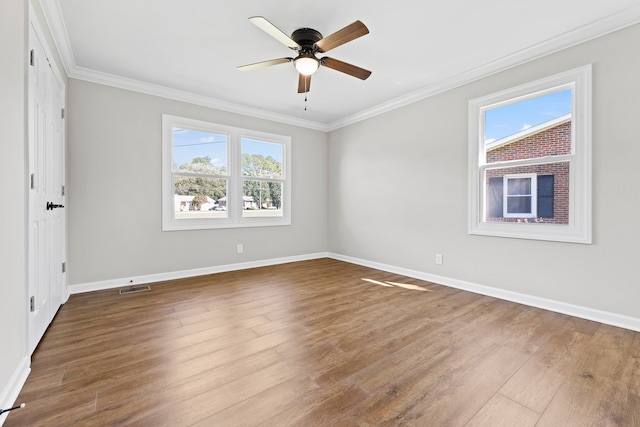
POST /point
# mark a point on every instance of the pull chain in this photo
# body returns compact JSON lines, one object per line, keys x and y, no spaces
{"x":306,"y":91}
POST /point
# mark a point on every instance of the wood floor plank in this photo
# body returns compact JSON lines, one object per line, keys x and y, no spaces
{"x":136,"y":387}
{"x":324,"y":343}
{"x":323,"y":406}
{"x":503,"y":412}
{"x":538,"y":381}
{"x":433,"y":394}
{"x":192,"y":407}
{"x":261,"y":407}
{"x":602,"y":389}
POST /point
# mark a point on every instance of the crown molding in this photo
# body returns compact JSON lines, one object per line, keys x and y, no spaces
{"x":575,"y":37}
{"x":57,"y":27}
{"x":55,"y":22}
{"x":189,"y":97}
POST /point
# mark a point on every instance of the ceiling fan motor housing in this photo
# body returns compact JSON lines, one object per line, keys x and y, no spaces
{"x":306,"y":37}
{"x":306,"y":62}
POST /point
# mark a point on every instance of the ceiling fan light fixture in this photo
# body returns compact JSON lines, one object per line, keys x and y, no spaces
{"x":306,"y":65}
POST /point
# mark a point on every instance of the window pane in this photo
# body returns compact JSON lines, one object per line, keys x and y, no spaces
{"x":200,"y":197}
{"x":530,"y":129}
{"x":519,"y":204}
{"x":261,"y":199}
{"x":261,"y":159}
{"x":519,"y":186}
{"x":199,"y":152}
{"x":550,"y":192}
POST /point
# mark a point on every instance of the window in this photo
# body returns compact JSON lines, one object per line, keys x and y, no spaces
{"x":217,"y":176}
{"x":530,"y":160}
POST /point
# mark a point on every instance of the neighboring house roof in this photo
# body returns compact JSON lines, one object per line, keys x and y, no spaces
{"x":244,"y":198}
{"x":528,"y":132}
{"x":181,"y":198}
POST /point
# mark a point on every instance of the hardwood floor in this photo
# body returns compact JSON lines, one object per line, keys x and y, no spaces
{"x":325,"y":343}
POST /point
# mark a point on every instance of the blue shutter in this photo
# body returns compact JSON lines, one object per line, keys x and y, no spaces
{"x":494,"y":197}
{"x":545,"y":196}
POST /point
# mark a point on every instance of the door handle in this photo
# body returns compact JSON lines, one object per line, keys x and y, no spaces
{"x":51,"y":206}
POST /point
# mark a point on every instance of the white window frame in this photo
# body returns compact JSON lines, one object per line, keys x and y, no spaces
{"x":505,"y":189}
{"x":235,"y":218}
{"x":578,"y":230}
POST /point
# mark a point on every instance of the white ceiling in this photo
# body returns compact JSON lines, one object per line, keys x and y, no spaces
{"x":190,"y":49}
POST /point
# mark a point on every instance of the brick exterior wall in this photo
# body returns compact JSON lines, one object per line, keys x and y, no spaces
{"x":552,"y":141}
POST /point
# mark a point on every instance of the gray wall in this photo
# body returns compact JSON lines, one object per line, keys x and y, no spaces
{"x":398,"y":189}
{"x":13,"y":215}
{"x":114,"y":191}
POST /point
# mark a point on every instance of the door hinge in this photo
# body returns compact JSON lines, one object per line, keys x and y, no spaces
{"x":33,"y":179}
{"x":32,"y":304}
{"x":62,"y":113}
{"x":63,"y":190}
{"x":64,"y":267}
{"x":32,"y":58}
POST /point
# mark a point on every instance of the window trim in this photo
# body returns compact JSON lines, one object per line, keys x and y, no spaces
{"x":578,"y":230}
{"x":235,"y":218}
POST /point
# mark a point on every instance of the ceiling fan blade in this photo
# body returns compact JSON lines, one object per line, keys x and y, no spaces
{"x":274,"y":32}
{"x":346,"y":68}
{"x":340,"y":37}
{"x":304,"y":83}
{"x":264,"y":64}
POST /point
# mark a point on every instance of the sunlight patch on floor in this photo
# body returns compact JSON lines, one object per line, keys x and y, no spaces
{"x":400,"y":285}
{"x":375,"y":282}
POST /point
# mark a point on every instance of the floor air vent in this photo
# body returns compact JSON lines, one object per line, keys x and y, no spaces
{"x":132,"y":289}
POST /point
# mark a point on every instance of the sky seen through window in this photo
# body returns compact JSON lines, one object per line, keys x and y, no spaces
{"x":510,"y":119}
{"x":189,"y":144}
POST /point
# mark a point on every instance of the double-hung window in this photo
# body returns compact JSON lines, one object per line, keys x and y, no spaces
{"x":217,"y":176}
{"x":530,"y":160}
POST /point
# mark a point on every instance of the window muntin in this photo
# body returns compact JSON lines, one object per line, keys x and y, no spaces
{"x":555,"y":149}
{"x":216,"y":176}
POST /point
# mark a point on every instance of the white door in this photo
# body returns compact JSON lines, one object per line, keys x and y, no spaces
{"x":47,"y":242}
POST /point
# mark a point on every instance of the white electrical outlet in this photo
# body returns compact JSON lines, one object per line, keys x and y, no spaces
{"x":240,"y":248}
{"x":439,"y":259}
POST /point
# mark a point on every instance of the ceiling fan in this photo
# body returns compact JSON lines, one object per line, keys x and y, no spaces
{"x":309,"y":42}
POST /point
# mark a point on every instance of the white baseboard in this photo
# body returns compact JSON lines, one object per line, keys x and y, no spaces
{"x":605,"y":317}
{"x":161,"y":277}
{"x":12,"y":390}
{"x":613,"y":319}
